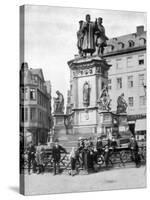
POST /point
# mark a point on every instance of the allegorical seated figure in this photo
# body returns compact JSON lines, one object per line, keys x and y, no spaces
{"x":121,"y":104}
{"x":104,"y":100}
{"x":58,"y":103}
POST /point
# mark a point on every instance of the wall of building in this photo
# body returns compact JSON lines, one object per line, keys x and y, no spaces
{"x":34,"y":104}
{"x":128,"y":72}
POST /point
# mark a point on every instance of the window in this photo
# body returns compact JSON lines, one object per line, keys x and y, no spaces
{"x":119,"y":63}
{"x":142,"y":41}
{"x":130,"y":81}
{"x":24,"y":94}
{"x":141,"y":60}
{"x":130,"y":101}
{"x":32,"y":114}
{"x":40,"y":116}
{"x":131,"y":43}
{"x":34,"y":78}
{"x":110,"y":48}
{"x":142,"y":101}
{"x":119,"y":83}
{"x":22,"y":114}
{"x":141,"y":80}
{"x":130,"y":62}
{"x":32,"y":94}
{"x":120,"y":45}
{"x":26,"y":114}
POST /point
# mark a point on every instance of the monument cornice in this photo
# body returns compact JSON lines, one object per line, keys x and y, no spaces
{"x":88,"y":62}
{"x":83,"y":108}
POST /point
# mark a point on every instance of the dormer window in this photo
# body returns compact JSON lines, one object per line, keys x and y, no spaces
{"x":142,"y":41}
{"x":131,"y":43}
{"x":110,"y":47}
{"x":121,"y":45}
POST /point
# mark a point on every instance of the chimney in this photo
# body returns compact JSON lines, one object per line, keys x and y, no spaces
{"x":139,"y":30}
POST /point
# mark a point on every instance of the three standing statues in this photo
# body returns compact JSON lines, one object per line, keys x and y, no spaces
{"x":91,"y":35}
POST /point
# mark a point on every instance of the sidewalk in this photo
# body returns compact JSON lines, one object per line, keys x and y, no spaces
{"x":123,"y":178}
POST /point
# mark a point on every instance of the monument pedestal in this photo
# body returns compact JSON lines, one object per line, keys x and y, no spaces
{"x":59,"y":126}
{"x":92,"y":72}
{"x":123,"y":125}
{"x":105,"y":125}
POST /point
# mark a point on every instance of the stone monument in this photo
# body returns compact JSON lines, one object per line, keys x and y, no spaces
{"x":59,"y":117}
{"x":122,"y":115}
{"x":105,"y":125}
{"x":89,"y":76}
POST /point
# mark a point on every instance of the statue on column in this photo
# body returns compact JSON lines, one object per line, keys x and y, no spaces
{"x":91,"y":35}
{"x":121,"y":104}
{"x":58,"y":103}
{"x":87,"y":31}
{"x":101,"y":38}
{"x":104,"y":100}
{"x":80,"y":36}
{"x":86,"y":94}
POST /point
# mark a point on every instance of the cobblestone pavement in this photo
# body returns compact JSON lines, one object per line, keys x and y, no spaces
{"x":121,"y":178}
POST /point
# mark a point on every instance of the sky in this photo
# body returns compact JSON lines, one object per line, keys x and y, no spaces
{"x":50,"y":37}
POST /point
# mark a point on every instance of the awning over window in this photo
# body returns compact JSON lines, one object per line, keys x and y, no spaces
{"x":140,"y":125}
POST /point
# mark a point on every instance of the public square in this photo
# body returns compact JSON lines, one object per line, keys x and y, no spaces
{"x":88,"y":111}
{"x":127,"y":177}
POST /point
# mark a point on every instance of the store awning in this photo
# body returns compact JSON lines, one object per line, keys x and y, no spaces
{"x":140,"y":125}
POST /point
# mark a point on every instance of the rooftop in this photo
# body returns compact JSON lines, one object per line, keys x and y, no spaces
{"x":128,"y":42}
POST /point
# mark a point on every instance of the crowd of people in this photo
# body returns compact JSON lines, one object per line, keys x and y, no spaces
{"x":84,"y":156}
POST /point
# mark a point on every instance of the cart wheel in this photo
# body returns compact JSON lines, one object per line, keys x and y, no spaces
{"x":100,"y":160}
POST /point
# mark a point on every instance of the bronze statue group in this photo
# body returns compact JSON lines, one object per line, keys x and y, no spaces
{"x":91,"y":36}
{"x":85,"y":158}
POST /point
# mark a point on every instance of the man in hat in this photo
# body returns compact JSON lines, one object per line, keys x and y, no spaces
{"x":99,"y":145}
{"x":56,"y":155}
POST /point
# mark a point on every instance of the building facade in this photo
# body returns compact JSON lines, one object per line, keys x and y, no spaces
{"x":127,"y":56}
{"x":35,"y":105}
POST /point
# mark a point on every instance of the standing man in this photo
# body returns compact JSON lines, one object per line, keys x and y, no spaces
{"x":56,"y":155}
{"x":100,"y":36}
{"x":80,"y":36}
{"x":99,"y":145}
{"x":135,"y":151}
{"x":40,"y":158}
{"x":31,"y":157}
{"x":88,"y":29}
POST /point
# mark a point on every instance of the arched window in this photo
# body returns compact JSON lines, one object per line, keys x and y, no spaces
{"x":110,"y":48}
{"x":142,"y":41}
{"x":131,"y":43}
{"x":120,"y":45}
